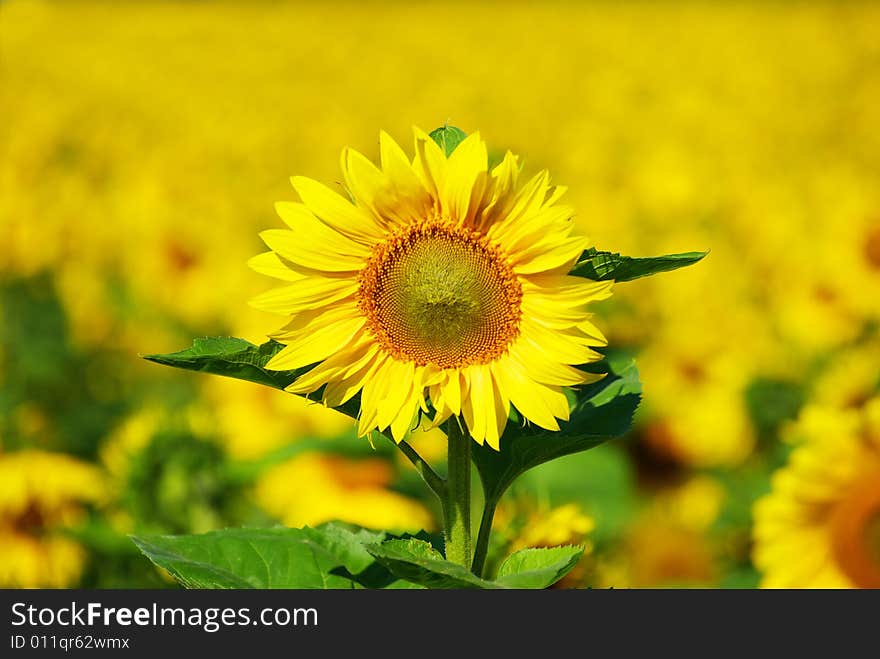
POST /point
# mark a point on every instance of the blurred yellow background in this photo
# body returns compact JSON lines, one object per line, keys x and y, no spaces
{"x":142,"y":146}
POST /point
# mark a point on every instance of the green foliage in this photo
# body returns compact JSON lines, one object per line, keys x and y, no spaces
{"x":601,"y":266}
{"x":54,"y":393}
{"x":234,"y":358}
{"x":179,"y":483}
{"x":239,"y":359}
{"x":337,"y":556}
{"x":331,"y":556}
{"x":601,"y":481}
{"x":417,"y":561}
{"x":448,"y":137}
{"x":773,"y":402}
{"x":600,"y":411}
{"x":538,"y":567}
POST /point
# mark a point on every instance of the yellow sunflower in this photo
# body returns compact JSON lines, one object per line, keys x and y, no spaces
{"x":434,"y":280}
{"x":820,"y":525}
{"x":314,"y":488}
{"x":40,"y":495}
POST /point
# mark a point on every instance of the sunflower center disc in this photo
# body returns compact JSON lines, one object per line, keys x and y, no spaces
{"x":855,"y":531}
{"x":442,"y":295}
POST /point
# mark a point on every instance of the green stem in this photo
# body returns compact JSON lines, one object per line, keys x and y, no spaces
{"x":428,"y":475}
{"x":457,"y":502}
{"x":482,"y":546}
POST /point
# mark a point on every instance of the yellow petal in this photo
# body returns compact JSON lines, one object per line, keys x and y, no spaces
{"x":373,"y":393}
{"x":337,"y":212}
{"x":304,"y":295}
{"x":465,"y":177}
{"x":549,"y":254}
{"x":407,"y":197}
{"x":441,"y":409}
{"x":406,"y":418}
{"x":546,"y":371}
{"x":527,"y":201}
{"x":347,"y":362}
{"x":479,"y":398}
{"x":557,"y":346}
{"x":524,"y":394}
{"x":500,"y":191}
{"x":400,"y":388}
{"x":566,"y":289}
{"x":353,"y":381}
{"x":366,"y":182}
{"x":490,"y":411}
{"x":310,"y":253}
{"x":307,"y":227}
{"x":555,"y":221}
{"x":269,"y":264}
{"x":430,"y":163}
{"x":452,"y":393}
{"x":315,"y":320}
{"x":467,"y":413}
{"x":317,"y":346}
{"x":555,"y":194}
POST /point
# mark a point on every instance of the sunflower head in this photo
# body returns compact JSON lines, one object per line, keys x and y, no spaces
{"x":40,"y":495}
{"x":433,"y":285}
{"x":440,"y":294}
{"x":819,"y":527}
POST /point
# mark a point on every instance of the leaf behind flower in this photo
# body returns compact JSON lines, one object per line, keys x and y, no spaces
{"x":599,"y":412}
{"x":603,"y":266}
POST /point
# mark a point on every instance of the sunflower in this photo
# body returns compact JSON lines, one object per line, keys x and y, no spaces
{"x":439,"y":286}
{"x":820,"y":525}
{"x":40,"y":495}
{"x":314,"y":488}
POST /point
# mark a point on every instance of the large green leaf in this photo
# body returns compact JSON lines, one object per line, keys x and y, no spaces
{"x":538,"y":567}
{"x":599,"y":412}
{"x":418,"y":562}
{"x":602,"y":266}
{"x":232,"y":357}
{"x":240,"y":359}
{"x":330,"y":556}
{"x":448,"y":137}
{"x":336,"y":556}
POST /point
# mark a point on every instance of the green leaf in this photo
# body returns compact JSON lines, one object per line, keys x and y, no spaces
{"x":418,"y":562}
{"x":242,"y":360}
{"x":771,"y":403}
{"x":601,"y":266}
{"x":448,"y":137}
{"x":599,"y":412}
{"x":234,"y":358}
{"x":538,"y":567}
{"x":330,"y":556}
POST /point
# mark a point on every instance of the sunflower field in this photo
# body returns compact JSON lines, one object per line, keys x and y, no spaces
{"x":143,"y":146}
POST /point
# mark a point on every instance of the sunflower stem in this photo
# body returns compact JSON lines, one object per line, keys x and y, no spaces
{"x":428,"y":475}
{"x":457,"y":502}
{"x":482,"y":546}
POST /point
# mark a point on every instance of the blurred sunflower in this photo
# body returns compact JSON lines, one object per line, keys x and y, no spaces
{"x":668,"y":544}
{"x":820,"y":525}
{"x":316,"y":487}
{"x":40,"y":494}
{"x":563,"y":525}
{"x":523,"y":524}
{"x":441,"y":277}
